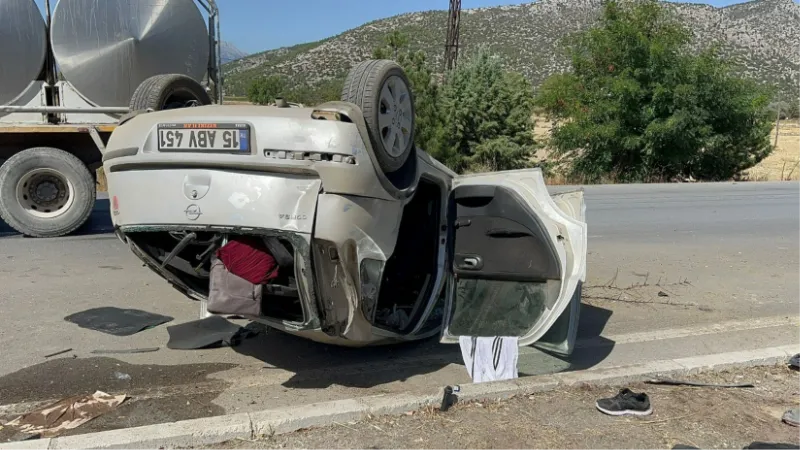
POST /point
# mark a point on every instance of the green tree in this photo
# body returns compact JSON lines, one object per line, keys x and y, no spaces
{"x":793,"y":111}
{"x":478,"y":119}
{"x":394,"y":42}
{"x":484,"y":117}
{"x":264,"y":90}
{"x":324,"y":91}
{"x":639,"y":106}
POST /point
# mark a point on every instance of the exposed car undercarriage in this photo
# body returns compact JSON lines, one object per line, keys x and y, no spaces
{"x":404,"y":288}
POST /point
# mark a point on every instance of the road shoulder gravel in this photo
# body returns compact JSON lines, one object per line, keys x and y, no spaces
{"x":703,"y":417}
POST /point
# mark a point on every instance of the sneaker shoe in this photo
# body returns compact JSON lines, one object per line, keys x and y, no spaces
{"x":626,"y":402}
{"x":792,"y":417}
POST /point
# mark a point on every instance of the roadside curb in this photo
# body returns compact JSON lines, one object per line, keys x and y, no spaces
{"x":212,"y":430}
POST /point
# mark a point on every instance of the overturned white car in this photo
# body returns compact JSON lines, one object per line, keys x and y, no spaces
{"x":374,"y":241}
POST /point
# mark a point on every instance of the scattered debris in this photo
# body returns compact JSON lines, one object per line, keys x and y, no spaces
{"x":124,"y":351}
{"x":209,"y":332}
{"x":450,"y":397}
{"x":122,"y":376}
{"x":24,"y":437}
{"x":117,"y":321}
{"x":61,"y":352}
{"x":66,"y":414}
{"x":624,"y":403}
{"x":699,"y":384}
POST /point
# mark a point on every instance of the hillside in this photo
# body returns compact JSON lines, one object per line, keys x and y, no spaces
{"x":229,"y":52}
{"x":761,"y":36}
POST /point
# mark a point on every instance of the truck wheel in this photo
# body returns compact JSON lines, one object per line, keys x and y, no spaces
{"x":45,"y":192}
{"x":382,"y":91}
{"x":169,"y":91}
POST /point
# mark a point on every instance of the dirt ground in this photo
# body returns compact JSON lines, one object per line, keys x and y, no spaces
{"x":784,"y":162}
{"x":697,"y":416}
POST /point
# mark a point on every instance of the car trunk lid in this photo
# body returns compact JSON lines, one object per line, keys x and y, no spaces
{"x":219,"y":198}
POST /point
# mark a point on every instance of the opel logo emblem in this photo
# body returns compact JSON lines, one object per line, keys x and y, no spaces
{"x":192,"y":212}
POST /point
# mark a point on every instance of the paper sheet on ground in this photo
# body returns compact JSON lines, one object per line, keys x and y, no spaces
{"x":66,"y":414}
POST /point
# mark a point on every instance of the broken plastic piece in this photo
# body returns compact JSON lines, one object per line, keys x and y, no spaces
{"x":124,"y":350}
{"x":58,"y":353}
{"x":450,"y":397}
{"x":178,"y":247}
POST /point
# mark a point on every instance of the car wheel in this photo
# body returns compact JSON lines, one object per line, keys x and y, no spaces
{"x":168,"y":91}
{"x":382,"y":90}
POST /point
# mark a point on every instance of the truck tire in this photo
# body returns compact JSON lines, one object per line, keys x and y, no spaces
{"x":45,"y":192}
{"x":168,"y":91}
{"x":381,"y":89}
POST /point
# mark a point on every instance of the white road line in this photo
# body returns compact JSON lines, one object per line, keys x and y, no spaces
{"x":677,"y":333}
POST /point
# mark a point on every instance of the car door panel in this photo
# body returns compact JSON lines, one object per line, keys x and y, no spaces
{"x":517,"y":258}
{"x":561,"y":336}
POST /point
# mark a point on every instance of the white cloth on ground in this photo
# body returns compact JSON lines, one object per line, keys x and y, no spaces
{"x":490,"y":358}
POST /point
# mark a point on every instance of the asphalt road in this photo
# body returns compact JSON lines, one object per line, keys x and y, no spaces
{"x":674,"y":270}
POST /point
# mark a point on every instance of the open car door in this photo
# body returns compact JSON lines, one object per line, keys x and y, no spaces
{"x":518,"y":258}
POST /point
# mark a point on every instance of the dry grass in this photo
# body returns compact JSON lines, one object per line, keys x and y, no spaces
{"x":784,"y":162}
{"x":102,"y":184}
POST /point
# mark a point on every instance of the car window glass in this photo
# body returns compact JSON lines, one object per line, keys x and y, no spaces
{"x":499,"y":308}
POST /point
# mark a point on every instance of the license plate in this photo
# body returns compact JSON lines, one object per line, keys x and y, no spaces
{"x":204,"y":137}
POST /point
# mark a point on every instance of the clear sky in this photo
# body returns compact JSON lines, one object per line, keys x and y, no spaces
{"x":257,"y":25}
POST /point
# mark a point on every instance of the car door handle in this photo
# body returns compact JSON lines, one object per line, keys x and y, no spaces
{"x":460,"y":223}
{"x":471,"y":262}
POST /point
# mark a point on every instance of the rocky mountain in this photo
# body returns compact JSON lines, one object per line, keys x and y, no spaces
{"x":761,"y":36}
{"x":230,"y":52}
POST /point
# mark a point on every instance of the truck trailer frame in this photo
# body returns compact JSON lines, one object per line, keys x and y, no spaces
{"x":57,"y":139}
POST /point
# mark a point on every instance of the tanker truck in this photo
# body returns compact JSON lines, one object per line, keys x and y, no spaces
{"x":69,"y":75}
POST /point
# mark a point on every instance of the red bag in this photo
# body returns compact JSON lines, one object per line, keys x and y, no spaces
{"x":248,"y":258}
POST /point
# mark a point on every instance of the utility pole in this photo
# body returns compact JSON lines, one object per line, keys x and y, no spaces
{"x":777,"y":122}
{"x":451,"y":46}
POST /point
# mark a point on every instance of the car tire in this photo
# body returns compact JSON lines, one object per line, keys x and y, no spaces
{"x":168,"y":91}
{"x":64,"y":202}
{"x":382,"y":90}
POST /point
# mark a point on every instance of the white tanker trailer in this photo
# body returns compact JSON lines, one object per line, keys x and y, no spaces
{"x":66,"y":80}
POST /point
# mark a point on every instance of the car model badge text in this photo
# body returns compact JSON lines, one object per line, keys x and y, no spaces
{"x":292,"y":216}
